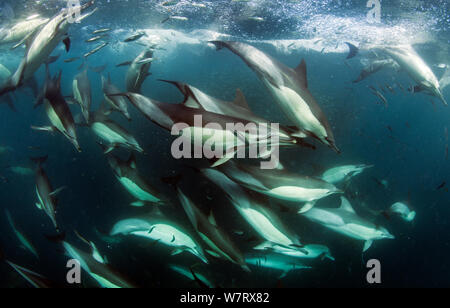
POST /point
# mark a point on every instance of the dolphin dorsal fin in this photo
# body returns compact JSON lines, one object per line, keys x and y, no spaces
{"x":345,"y":205}
{"x":240,"y":99}
{"x":301,"y":72}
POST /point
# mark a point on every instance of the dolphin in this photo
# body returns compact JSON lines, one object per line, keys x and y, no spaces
{"x":289,"y":87}
{"x":344,"y":220}
{"x":21,"y":30}
{"x":118,"y":103}
{"x":45,"y":193}
{"x":276,"y":261}
{"x":409,"y":61}
{"x":239,"y":108}
{"x":338,"y":174}
{"x":253,"y":209}
{"x":138,"y":72}
{"x":221,"y":135}
{"x":314,"y":251}
{"x":220,"y":244}
{"x":113,"y":133}
{"x":375,"y":66}
{"x":279,"y":184}
{"x":127,"y":174}
{"x":186,"y":272}
{"x":97,"y":268}
{"x":402,"y":210}
{"x":82,"y":93}
{"x":22,"y":238}
{"x":156,"y":227}
{"x":42,"y":45}
{"x":58,"y":112}
{"x":34,"y":279}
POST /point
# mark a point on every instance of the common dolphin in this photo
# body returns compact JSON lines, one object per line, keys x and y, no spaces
{"x":187,"y":272}
{"x":21,"y":236}
{"x":338,"y":174}
{"x":239,"y":108}
{"x":402,"y":210}
{"x":112,"y":133}
{"x":408,"y":60}
{"x":42,"y":45}
{"x":128,"y":175}
{"x":229,"y":140}
{"x":220,"y":244}
{"x":82,"y":93}
{"x":314,"y":251}
{"x":344,"y":220}
{"x":264,"y":221}
{"x":156,"y":227}
{"x":21,"y":30}
{"x":279,"y":184}
{"x":58,"y":112}
{"x":34,"y":279}
{"x":97,"y":268}
{"x":289,"y":88}
{"x":138,"y":72}
{"x":118,"y":103}
{"x":45,"y":193}
{"x":375,"y":66}
{"x":276,"y":261}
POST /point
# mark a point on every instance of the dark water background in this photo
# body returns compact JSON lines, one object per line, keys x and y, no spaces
{"x":411,"y":156}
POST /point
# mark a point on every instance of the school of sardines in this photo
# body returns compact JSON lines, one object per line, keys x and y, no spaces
{"x":246,"y":186}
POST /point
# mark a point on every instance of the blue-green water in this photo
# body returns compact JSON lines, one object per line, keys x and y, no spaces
{"x":405,"y":140}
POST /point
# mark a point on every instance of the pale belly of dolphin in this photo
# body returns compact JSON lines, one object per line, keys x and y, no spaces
{"x":293,"y":193}
{"x":298,"y":110}
{"x":356,"y":231}
{"x":213,"y":137}
{"x":265,"y":228}
{"x":136,"y":191}
{"x":55,"y":120}
{"x":107,"y":134}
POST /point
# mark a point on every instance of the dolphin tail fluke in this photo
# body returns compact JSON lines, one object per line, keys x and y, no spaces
{"x":353,"y":50}
{"x":443,"y":99}
{"x":219,"y":44}
{"x":7,"y":88}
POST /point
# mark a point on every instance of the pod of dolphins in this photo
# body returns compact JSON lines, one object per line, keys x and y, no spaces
{"x":260,"y":197}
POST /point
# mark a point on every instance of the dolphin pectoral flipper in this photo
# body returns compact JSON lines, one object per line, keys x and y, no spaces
{"x":44,"y":128}
{"x":57,"y":191}
{"x":67,"y":42}
{"x":367,"y":245}
{"x":306,"y":207}
{"x":225,"y":158}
